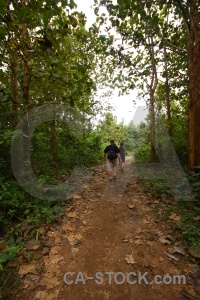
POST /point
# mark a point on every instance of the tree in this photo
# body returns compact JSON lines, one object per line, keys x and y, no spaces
{"x":136,"y":32}
{"x":169,"y":23}
{"x":48,"y":56}
{"x":193,"y":24}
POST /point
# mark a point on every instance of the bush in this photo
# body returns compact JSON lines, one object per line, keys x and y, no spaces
{"x":143,"y":154}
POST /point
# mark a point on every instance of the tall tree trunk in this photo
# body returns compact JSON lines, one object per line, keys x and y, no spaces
{"x":152,"y":114}
{"x":53,"y":127}
{"x":153,"y":85}
{"x":13,"y":80}
{"x":53,"y":140}
{"x":25,"y":92}
{"x":14,"y":90}
{"x":167,"y":92}
{"x":194,"y":86}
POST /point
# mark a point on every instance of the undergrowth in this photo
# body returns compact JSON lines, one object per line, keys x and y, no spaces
{"x":187,"y":225}
{"x":18,"y":210}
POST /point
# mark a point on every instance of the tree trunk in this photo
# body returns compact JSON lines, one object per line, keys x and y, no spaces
{"x":153,"y":85}
{"x":169,"y":151}
{"x":152,"y":114}
{"x":53,"y":128}
{"x":194,"y":87}
{"x":25,"y":92}
{"x":167,"y":92}
{"x":53,"y":140}
{"x":14,"y":90}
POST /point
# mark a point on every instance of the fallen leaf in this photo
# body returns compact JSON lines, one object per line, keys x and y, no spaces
{"x":131,"y":206}
{"x":67,"y":227}
{"x":74,"y":239}
{"x":146,"y":221}
{"x":176,"y":249}
{"x":77,"y":197}
{"x":172,"y":256}
{"x":86,"y":186}
{"x":27,"y":268}
{"x":146,"y":209}
{"x":41,"y":230}
{"x":53,"y":260}
{"x":161,"y":259}
{"x":57,"y":241}
{"x":45,"y":250}
{"x":175,"y":271}
{"x":164,"y":241}
{"x":50,"y":283}
{"x":129,"y":259}
{"x":55,"y":250}
{"x":174,"y":217}
{"x":41,"y":295}
{"x":93,"y":200}
{"x":89,"y":212}
{"x":150,"y":243}
{"x":30,"y":280}
{"x":69,"y":208}
{"x":52,"y":233}
{"x":125,"y":240}
{"x":72,"y":215}
{"x":31,"y":245}
{"x":74,"y":252}
{"x":138,"y":242}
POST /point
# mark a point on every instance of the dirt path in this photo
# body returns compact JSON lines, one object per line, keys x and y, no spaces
{"x":109,"y":227}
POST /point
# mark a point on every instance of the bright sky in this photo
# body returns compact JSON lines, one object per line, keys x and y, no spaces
{"x":124,"y":108}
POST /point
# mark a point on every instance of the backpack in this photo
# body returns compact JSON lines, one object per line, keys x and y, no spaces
{"x":111,"y":155}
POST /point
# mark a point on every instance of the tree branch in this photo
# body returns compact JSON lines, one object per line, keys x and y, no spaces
{"x":183,"y":12}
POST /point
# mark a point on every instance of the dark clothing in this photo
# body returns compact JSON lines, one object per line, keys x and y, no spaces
{"x":112,"y":148}
{"x":122,"y":153}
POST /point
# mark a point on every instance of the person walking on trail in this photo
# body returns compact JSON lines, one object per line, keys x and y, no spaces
{"x":112,"y":152}
{"x":122,"y":152}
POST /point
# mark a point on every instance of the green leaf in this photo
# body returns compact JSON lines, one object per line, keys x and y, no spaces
{"x":149,"y":4}
{"x":72,"y":4}
{"x":64,"y":3}
{"x":173,"y":106}
{"x":4,"y":257}
{"x":155,"y":20}
{"x":18,"y":240}
{"x":47,"y":15}
{"x":11,"y":241}
{"x":96,"y":10}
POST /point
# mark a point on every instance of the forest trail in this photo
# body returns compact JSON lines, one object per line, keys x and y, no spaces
{"x":109,"y":227}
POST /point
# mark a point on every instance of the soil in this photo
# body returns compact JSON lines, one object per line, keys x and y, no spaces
{"x":109,"y":227}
